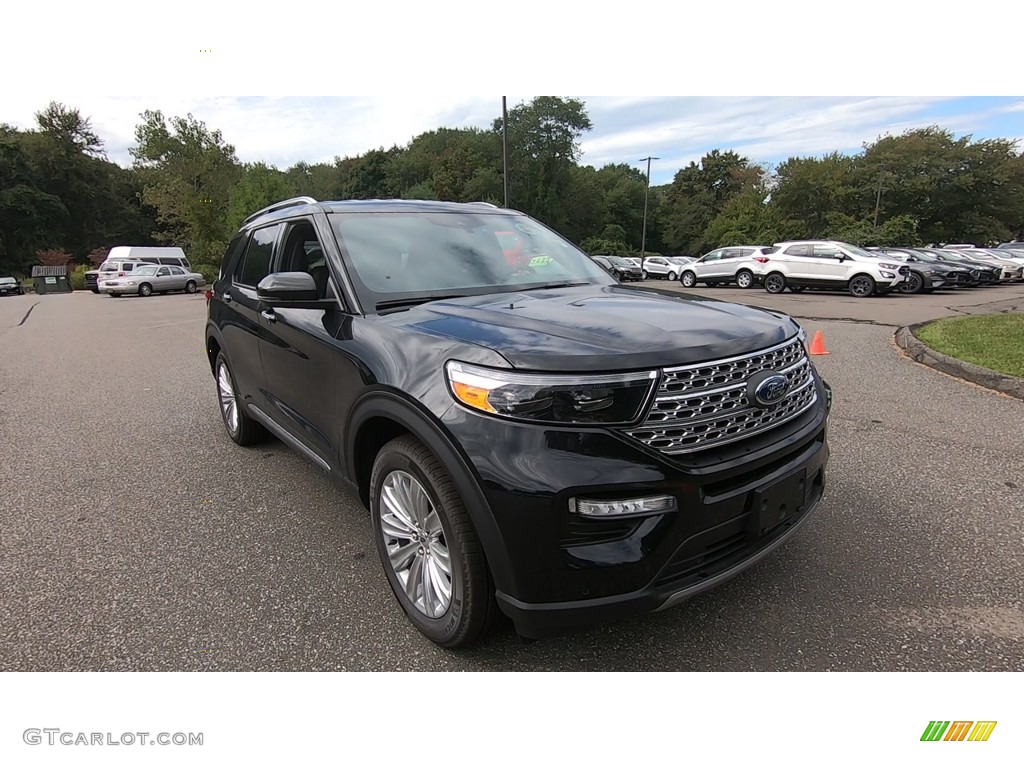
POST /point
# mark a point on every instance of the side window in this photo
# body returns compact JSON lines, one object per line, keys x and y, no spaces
{"x":826,"y":252}
{"x":177,"y":271}
{"x":255,"y":263}
{"x":163,"y":272}
{"x":731,"y":254}
{"x":713,"y":256}
{"x":170,"y":260}
{"x":227,"y":261}
{"x":798,"y":250}
{"x":149,"y":259}
{"x":302,"y":252}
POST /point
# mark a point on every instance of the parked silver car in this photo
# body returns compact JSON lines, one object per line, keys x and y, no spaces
{"x":740,"y":264}
{"x":151,"y":279}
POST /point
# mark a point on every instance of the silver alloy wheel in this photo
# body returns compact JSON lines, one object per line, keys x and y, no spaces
{"x":672,"y":276}
{"x":643,"y":275}
{"x":743,"y":279}
{"x":689,"y":279}
{"x":415,"y":543}
{"x":228,"y":401}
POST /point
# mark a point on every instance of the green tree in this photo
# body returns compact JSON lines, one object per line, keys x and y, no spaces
{"x":188,"y":173}
{"x":809,"y":190}
{"x":544,"y":147}
{"x":260,"y":186}
{"x":957,"y":189}
{"x":699,"y":192}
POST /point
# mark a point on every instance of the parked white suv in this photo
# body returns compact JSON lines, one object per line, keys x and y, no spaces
{"x":740,"y":264}
{"x":663,"y":266}
{"x":830,"y":265}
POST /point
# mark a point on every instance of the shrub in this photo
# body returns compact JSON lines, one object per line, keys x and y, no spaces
{"x":208,"y":271}
{"x":77,"y":277}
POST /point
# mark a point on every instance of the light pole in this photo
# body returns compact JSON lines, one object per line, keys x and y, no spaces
{"x":504,"y":145}
{"x":647,"y":190}
{"x":878,"y":196}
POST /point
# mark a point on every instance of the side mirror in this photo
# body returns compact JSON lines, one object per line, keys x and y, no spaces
{"x":294,"y":290}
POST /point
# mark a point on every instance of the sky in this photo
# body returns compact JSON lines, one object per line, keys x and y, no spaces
{"x":284,"y":130}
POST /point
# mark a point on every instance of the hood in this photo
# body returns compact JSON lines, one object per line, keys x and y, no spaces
{"x":600,"y":328}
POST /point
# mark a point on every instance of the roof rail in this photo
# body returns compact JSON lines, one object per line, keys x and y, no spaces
{"x":305,"y":200}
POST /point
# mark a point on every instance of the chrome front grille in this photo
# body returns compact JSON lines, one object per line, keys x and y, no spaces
{"x":706,"y":405}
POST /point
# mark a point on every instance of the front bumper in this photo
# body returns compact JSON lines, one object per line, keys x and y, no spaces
{"x":734,"y":505}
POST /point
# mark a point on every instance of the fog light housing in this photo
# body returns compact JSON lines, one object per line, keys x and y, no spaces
{"x":604,"y":508}
{"x":887,"y":275}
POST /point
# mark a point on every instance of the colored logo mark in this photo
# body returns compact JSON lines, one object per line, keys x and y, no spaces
{"x":206,"y":50}
{"x":958,"y":730}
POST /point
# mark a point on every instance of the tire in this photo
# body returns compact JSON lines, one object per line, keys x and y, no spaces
{"x":114,"y":295}
{"x":796,"y":288}
{"x":913,"y":284}
{"x":95,"y":290}
{"x":643,"y":275}
{"x":190,"y":286}
{"x":688,"y":279}
{"x":672,"y":276}
{"x":775,"y":282}
{"x":404,"y":470}
{"x":241,"y":427}
{"x":145,"y":290}
{"x":745,"y":278}
{"x":861,"y":286}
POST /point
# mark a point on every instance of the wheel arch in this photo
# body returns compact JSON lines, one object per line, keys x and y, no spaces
{"x":380,"y":417}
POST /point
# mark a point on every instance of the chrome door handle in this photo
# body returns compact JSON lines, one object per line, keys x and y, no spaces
{"x":269,"y":316}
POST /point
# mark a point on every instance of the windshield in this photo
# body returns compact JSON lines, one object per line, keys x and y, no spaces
{"x":859,"y":251}
{"x":410,"y":256}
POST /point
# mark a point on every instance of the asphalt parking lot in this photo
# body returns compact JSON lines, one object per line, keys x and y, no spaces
{"x":134,"y":535}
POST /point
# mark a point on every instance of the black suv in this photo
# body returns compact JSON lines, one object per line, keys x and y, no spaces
{"x":529,"y":436}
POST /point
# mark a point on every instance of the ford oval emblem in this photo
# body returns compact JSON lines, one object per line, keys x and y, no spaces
{"x":768,"y":389}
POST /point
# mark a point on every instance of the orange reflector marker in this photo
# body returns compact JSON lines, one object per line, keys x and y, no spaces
{"x":475,"y":397}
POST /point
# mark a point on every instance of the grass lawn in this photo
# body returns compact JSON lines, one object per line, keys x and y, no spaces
{"x":992,"y":341}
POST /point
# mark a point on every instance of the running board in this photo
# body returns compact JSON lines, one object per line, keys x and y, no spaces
{"x":284,"y":436}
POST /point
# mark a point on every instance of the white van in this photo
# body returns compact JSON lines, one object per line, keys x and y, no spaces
{"x":124,"y":258}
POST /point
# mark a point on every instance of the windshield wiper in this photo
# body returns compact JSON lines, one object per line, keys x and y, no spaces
{"x":414,"y":302}
{"x":564,"y":284}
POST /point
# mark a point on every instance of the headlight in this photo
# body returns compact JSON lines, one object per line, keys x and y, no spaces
{"x":888,"y":275}
{"x":889,"y":266}
{"x":604,"y":399}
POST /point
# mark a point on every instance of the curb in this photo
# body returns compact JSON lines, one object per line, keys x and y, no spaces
{"x":976,"y":374}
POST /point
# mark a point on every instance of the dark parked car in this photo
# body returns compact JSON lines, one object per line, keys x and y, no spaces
{"x":532,"y":439}
{"x":10,"y":287}
{"x":987,"y":274}
{"x":619,"y":268}
{"x":929,"y":274}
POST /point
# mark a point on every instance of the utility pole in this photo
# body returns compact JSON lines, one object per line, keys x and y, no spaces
{"x":504,"y":144}
{"x":878,"y":196}
{"x":647,"y":190}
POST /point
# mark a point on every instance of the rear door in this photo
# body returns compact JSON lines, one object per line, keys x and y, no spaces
{"x":240,"y":320}
{"x":799,"y":263}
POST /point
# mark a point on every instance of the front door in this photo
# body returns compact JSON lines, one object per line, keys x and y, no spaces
{"x":298,"y":347}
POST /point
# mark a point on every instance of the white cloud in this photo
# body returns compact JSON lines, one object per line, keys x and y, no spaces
{"x":285,"y":130}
